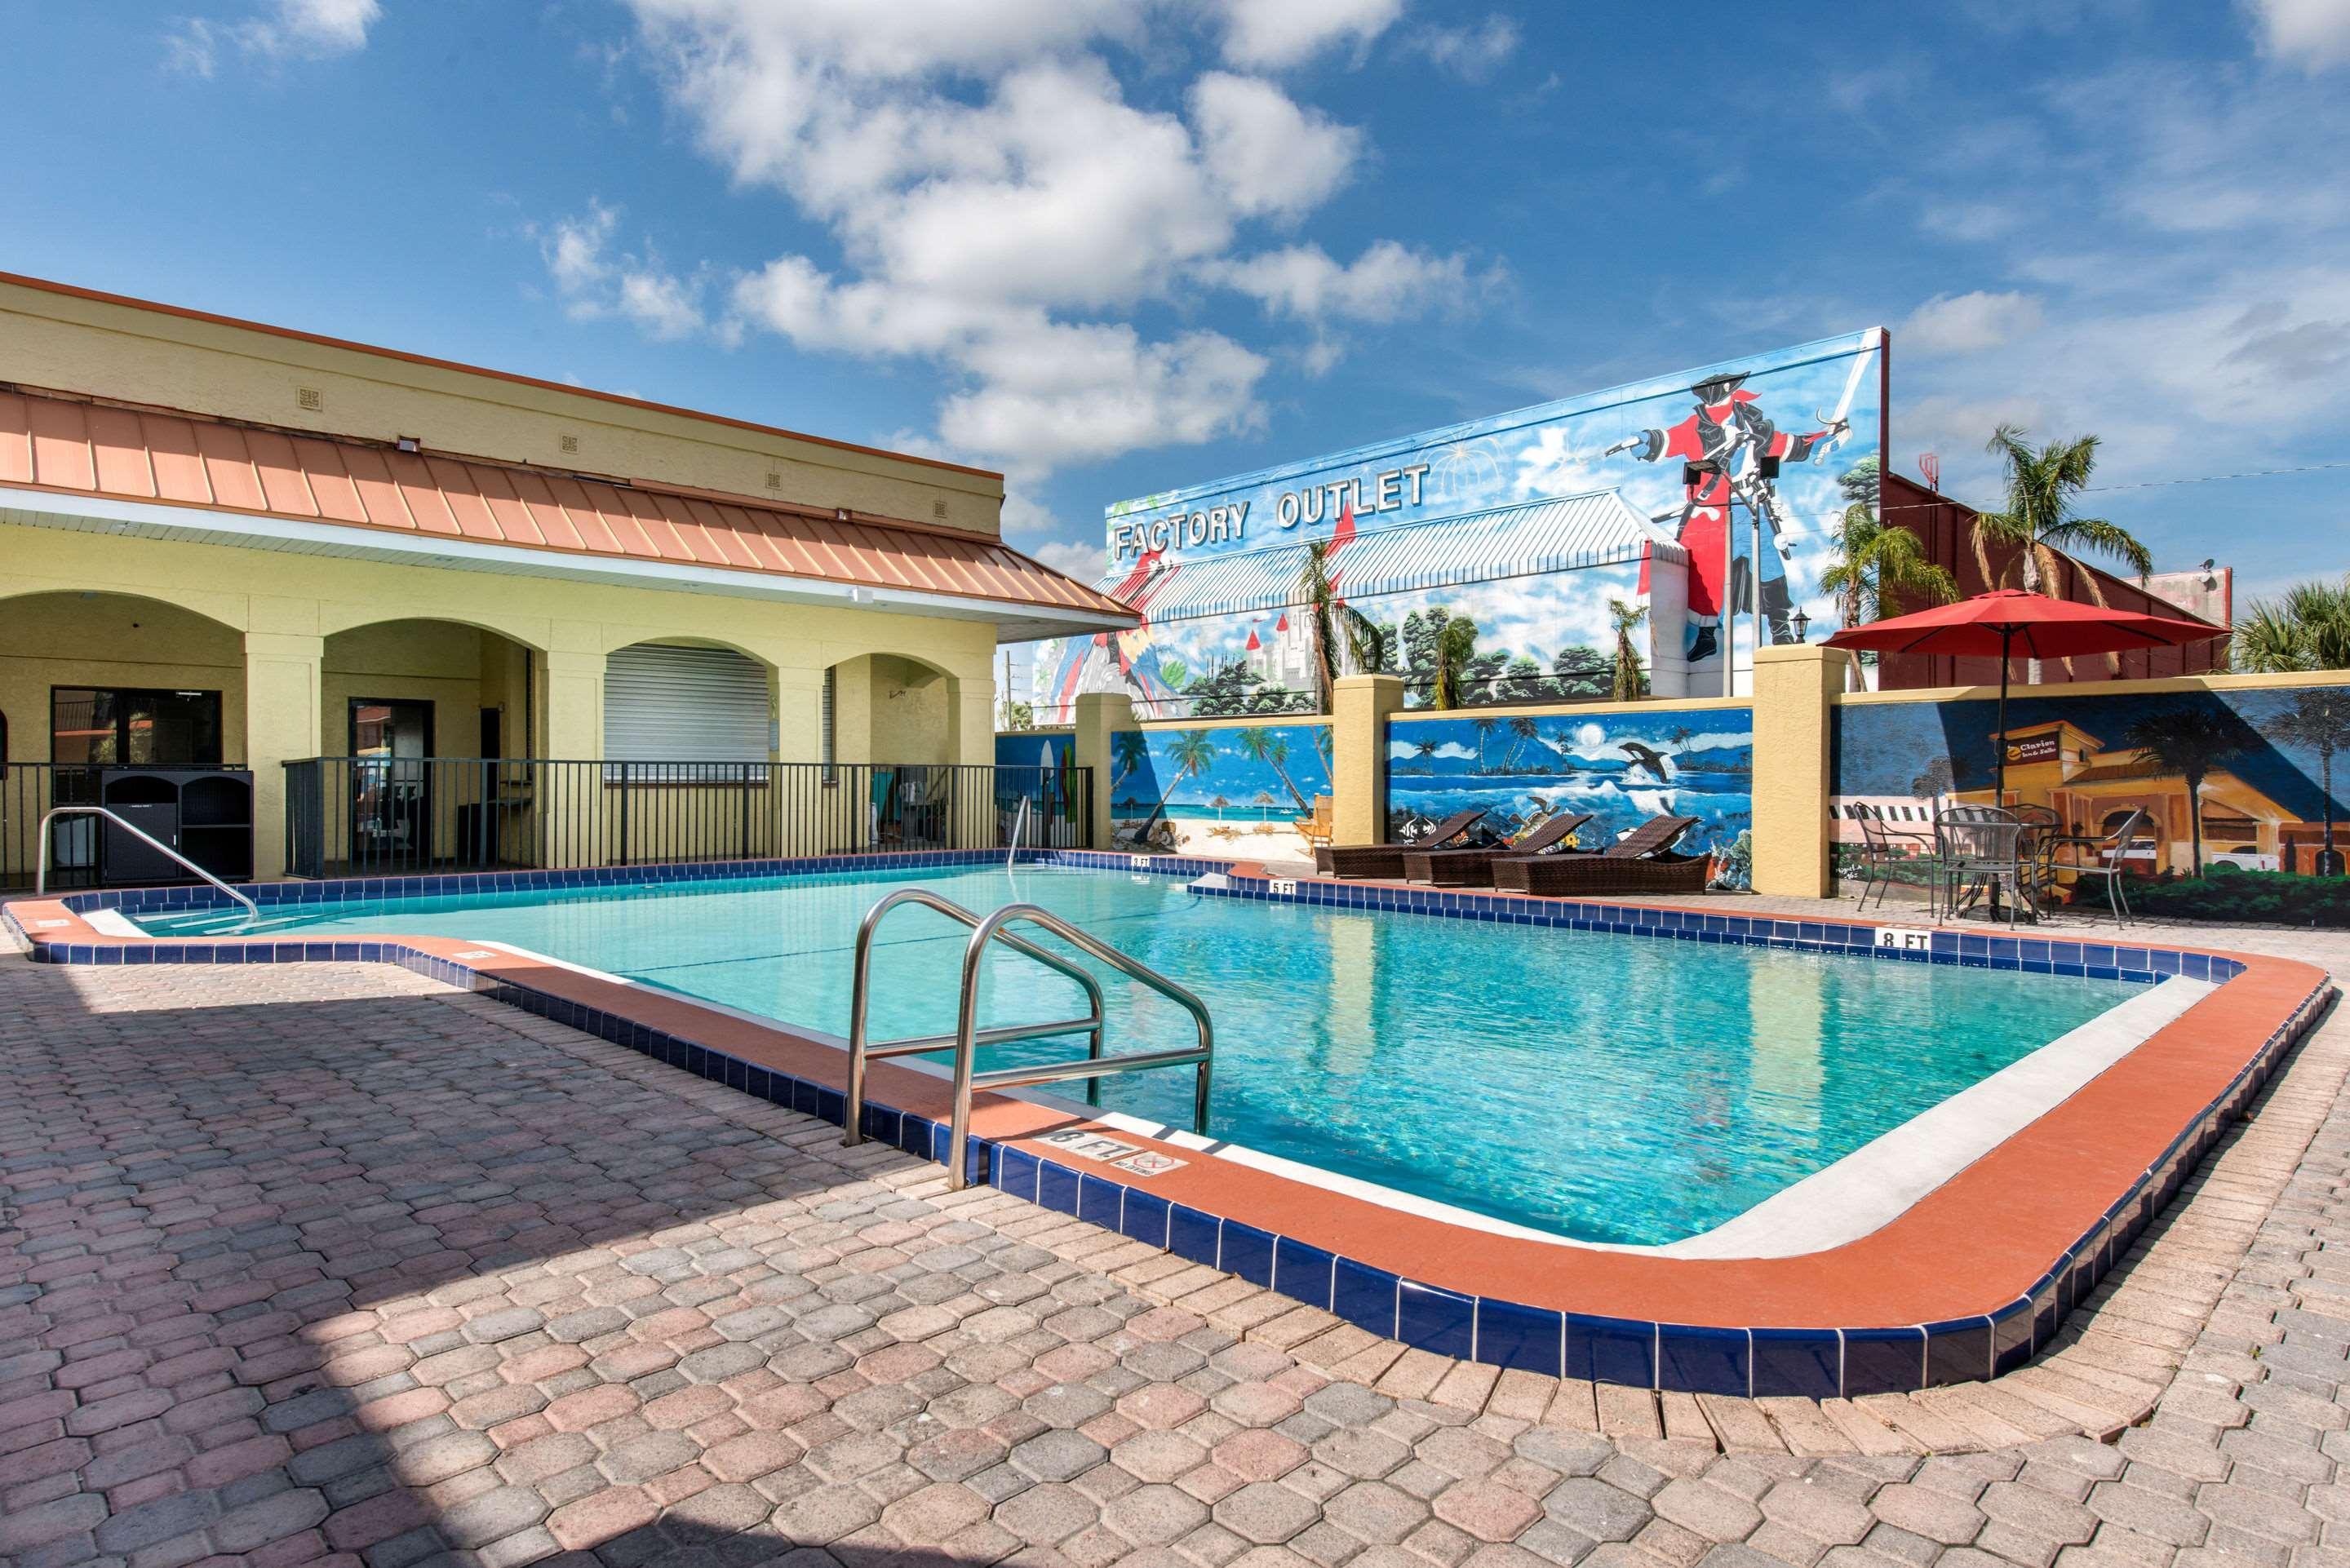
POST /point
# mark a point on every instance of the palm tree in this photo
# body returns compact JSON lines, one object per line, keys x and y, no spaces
{"x":1325,"y":615}
{"x":1456,"y":645}
{"x":1522,"y":730}
{"x":2307,"y":629}
{"x":1192,"y":753}
{"x":1326,"y":745}
{"x":1935,"y":782}
{"x":1426,"y":752}
{"x":1128,"y":751}
{"x":2038,"y":519}
{"x":1485,"y":729}
{"x":1267,"y":746}
{"x":2189,"y":741}
{"x":1880,"y":568}
{"x":2319,"y":719}
{"x":1625,"y":684}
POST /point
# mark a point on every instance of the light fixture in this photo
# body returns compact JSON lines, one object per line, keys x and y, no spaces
{"x":409,"y":443}
{"x":1802,"y":626}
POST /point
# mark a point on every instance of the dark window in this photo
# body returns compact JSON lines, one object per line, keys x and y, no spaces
{"x":95,"y":726}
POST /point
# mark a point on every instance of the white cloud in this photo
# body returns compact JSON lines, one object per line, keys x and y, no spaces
{"x":1969,"y":323}
{"x":291,"y":29}
{"x":1472,"y":52}
{"x":1261,"y":33}
{"x":1265,"y":153}
{"x":995,"y":204}
{"x":1389,"y":281}
{"x":1080,"y":560}
{"x":2313,"y":35}
{"x":594,"y":282}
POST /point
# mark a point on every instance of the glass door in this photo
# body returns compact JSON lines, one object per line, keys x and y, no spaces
{"x":391,"y":787}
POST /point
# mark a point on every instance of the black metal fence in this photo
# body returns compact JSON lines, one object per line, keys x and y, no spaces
{"x":391,"y":815}
{"x":205,"y":813}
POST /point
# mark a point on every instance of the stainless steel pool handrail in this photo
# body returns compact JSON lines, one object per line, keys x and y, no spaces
{"x":41,"y":877}
{"x":1019,"y":827}
{"x":967,"y":1036}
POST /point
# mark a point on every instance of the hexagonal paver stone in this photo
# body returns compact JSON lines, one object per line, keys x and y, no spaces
{"x":827,"y":1514}
{"x":1591,"y":1507}
{"x":1349,"y":1404}
{"x":1922,"y":1510}
{"x":1819,"y":1512}
{"x":1266,"y":1513}
{"x":1254,"y":1404}
{"x":1044,"y":1514}
{"x":935,"y":1512}
{"x":1067,"y":1405}
{"x":1155,"y":1515}
{"x":1568,"y":1453}
{"x":1161,"y":1405}
{"x":1488,"y":1511}
{"x":1458,"y":1451}
{"x":1376,"y":1512}
{"x":1058,"y":1455}
{"x":1150,"y":1455}
{"x":1715,"y":1512}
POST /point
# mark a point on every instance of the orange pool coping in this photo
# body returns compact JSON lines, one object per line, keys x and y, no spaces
{"x":2003,"y":1248}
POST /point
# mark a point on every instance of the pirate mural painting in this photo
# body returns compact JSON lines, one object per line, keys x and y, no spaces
{"x":1721,"y":447}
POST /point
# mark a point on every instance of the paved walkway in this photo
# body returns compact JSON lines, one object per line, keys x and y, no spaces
{"x":395,"y":1275}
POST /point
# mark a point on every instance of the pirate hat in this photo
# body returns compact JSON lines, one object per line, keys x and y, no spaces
{"x":1715,"y":388}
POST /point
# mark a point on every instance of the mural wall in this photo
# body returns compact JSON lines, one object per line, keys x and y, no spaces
{"x":1774,"y":446}
{"x":1622,"y":767}
{"x":2262,"y":840}
{"x":1236,"y":791}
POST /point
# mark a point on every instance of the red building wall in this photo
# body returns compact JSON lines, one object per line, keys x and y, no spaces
{"x":1946,"y":528}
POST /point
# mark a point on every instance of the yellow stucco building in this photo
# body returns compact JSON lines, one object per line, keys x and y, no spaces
{"x":227,"y":543}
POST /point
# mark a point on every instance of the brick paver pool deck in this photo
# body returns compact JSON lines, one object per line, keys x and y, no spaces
{"x":335,"y":1263}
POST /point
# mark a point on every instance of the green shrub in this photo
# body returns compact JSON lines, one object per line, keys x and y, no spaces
{"x":2228,"y":892}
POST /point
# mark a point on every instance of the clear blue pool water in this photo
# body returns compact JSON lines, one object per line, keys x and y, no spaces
{"x":1609,"y":1088}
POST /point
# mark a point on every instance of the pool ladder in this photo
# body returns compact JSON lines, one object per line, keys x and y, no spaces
{"x":967,"y":1036}
{"x":41,"y":877}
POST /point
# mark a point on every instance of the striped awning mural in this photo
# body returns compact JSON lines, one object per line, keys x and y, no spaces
{"x":1535,"y":537}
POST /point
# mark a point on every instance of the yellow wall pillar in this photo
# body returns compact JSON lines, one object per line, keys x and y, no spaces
{"x":1793,"y":686}
{"x":282,"y":717}
{"x":1358,"y":762}
{"x":569,"y":800}
{"x":1100,"y":716}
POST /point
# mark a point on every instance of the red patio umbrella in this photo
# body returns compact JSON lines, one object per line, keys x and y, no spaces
{"x":2007,"y":621}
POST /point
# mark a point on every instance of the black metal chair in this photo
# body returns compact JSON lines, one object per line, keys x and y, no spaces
{"x":2111,"y":852}
{"x":1985,"y":849}
{"x":1883,"y":851}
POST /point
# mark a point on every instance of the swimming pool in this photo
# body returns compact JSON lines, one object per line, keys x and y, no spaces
{"x":1601,"y":1087}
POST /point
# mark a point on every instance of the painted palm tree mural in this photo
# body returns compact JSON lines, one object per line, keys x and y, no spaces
{"x":1189,"y":781}
{"x":1621,"y":768}
{"x":2237,"y":787}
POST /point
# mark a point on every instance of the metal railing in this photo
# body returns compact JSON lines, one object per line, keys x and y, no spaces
{"x":217,"y":811}
{"x":41,"y":881}
{"x":967,"y":1036}
{"x":394,"y":816}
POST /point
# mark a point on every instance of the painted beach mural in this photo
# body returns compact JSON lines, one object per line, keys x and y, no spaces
{"x":2242,"y":817}
{"x":1238,"y":792}
{"x":1621,"y":767}
{"x":1704,"y":497}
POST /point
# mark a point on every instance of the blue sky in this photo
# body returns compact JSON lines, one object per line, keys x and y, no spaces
{"x":1113,"y":246}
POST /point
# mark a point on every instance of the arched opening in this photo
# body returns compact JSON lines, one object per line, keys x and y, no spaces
{"x":120,"y":701}
{"x":889,"y":707}
{"x":425,"y":726}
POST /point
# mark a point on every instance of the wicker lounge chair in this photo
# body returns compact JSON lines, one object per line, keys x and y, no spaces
{"x":1474,"y":867}
{"x":1642,"y":861}
{"x":1385,"y":860}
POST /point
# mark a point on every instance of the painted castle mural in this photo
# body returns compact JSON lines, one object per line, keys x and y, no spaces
{"x":1702,"y":499}
{"x":2242,"y":817}
{"x":1621,"y":767}
{"x":1236,"y":791}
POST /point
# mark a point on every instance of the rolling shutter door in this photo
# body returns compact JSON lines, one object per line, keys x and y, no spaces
{"x":665,"y":704}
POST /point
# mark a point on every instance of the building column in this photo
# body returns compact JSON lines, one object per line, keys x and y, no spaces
{"x":283,"y":721}
{"x":1793,"y":689}
{"x":569,"y":802}
{"x":1360,"y":706}
{"x":1101,"y":716}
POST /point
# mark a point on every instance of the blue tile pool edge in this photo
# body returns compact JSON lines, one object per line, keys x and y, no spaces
{"x":1845,"y":1362}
